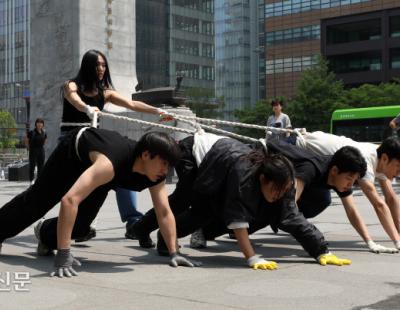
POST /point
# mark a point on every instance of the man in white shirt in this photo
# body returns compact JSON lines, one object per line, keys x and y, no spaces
{"x":383,"y":164}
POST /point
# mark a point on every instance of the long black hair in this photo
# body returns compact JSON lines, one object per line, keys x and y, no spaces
{"x":86,"y":79}
{"x":275,"y":168}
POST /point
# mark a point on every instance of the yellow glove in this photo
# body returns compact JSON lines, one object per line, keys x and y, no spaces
{"x":256,"y":262}
{"x":330,"y":259}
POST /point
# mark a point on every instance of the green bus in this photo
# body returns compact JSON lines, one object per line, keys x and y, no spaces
{"x":364,"y":124}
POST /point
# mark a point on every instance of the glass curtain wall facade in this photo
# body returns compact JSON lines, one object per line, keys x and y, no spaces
{"x":293,"y":38}
{"x":237,"y":53}
{"x":191,"y":43}
{"x":152,"y":43}
{"x":363,"y":48}
{"x":14,"y":59}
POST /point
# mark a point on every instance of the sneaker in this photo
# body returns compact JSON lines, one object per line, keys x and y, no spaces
{"x":144,"y":240}
{"x":197,"y":240}
{"x":42,"y":249}
{"x":91,"y":234}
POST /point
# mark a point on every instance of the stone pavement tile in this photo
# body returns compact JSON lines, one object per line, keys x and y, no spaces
{"x":118,"y":274}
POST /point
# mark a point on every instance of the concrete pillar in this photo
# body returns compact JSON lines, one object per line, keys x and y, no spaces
{"x":61,"y":32}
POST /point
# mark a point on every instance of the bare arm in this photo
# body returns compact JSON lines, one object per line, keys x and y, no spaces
{"x":394,"y":122}
{"x":138,"y":106}
{"x":392,"y":201}
{"x":242,"y":237}
{"x":381,"y":209}
{"x":99,"y":173}
{"x":299,"y":188}
{"x":355,"y":217}
{"x":165,"y":217}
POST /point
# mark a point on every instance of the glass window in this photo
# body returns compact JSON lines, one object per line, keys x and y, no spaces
{"x":395,"y":26}
{"x":297,"y":6}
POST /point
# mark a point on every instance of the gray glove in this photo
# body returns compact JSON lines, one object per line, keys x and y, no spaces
{"x":179,"y":260}
{"x":63,"y":263}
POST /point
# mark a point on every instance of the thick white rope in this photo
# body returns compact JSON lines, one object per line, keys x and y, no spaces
{"x":237,"y":124}
{"x":110,"y":115}
{"x":211,"y":128}
{"x":177,"y":117}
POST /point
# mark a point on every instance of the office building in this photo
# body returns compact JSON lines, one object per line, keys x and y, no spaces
{"x":293,"y":36}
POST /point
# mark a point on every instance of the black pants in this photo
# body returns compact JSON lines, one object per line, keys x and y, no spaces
{"x":59,"y":173}
{"x":313,"y":201}
{"x":190,"y":212}
{"x":36,"y":158}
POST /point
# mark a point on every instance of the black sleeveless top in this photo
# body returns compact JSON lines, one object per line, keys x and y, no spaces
{"x":73,"y":115}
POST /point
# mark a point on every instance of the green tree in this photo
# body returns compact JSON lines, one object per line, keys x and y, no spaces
{"x":8,"y":130}
{"x":203,"y":103}
{"x":368,"y":95}
{"x":256,"y":115}
{"x":317,"y":96}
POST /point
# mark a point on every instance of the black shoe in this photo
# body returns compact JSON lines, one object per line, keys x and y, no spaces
{"x":161,"y":246}
{"x":130,"y":234}
{"x":91,"y":234}
{"x":144,"y":239}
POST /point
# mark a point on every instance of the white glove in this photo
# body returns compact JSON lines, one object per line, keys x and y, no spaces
{"x":89,"y":110}
{"x":377,"y":248}
{"x":397,"y":244}
{"x":257,"y":262}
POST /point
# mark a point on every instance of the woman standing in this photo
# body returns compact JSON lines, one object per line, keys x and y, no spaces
{"x":86,"y":94}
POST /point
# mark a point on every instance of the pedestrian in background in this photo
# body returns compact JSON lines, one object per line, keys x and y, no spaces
{"x":34,"y":142}
{"x":278,"y":120}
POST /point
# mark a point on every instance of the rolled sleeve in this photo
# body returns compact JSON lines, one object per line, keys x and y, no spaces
{"x":237,"y":225}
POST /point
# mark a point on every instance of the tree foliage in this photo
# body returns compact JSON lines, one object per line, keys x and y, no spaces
{"x":8,"y":130}
{"x":369,"y":95}
{"x":203,"y":103}
{"x":318,"y":95}
{"x":257,"y":115}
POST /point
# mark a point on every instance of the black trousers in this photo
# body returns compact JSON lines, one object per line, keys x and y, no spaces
{"x":191,"y":211}
{"x":59,"y":173}
{"x":36,"y":158}
{"x":313,"y":201}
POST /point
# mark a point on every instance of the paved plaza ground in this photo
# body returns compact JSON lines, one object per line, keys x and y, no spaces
{"x":117,"y":274}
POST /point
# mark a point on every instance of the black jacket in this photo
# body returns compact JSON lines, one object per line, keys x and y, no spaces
{"x":227,"y":175}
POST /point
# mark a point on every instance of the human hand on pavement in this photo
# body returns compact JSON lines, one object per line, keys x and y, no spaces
{"x":331,"y":259}
{"x":177,"y":259}
{"x":257,"y":262}
{"x":377,"y":248}
{"x":63,"y":264}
